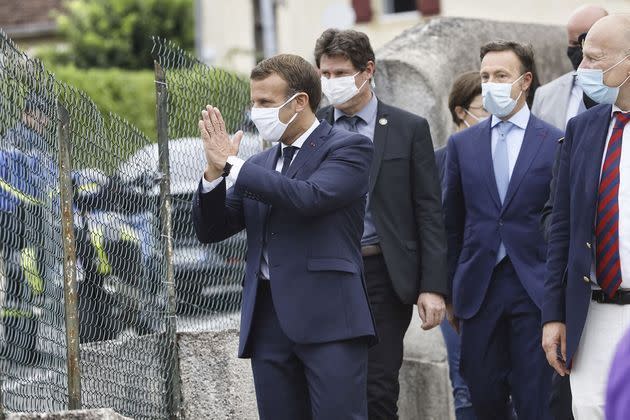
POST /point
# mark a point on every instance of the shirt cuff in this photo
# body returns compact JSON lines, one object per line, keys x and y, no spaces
{"x":237,"y":164}
{"x":207,"y":186}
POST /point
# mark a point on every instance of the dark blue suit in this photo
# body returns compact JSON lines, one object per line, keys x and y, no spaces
{"x":567,"y":282}
{"x":306,"y":329}
{"x":500,"y":303}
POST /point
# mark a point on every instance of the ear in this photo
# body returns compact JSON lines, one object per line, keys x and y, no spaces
{"x":526,"y":81}
{"x":370,"y":69}
{"x":461,"y":114}
{"x":301,"y":102}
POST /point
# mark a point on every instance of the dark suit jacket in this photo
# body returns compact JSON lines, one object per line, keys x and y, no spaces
{"x":440,"y":160}
{"x":476,"y":220}
{"x":313,"y":219}
{"x":545,"y":215}
{"x":405,"y":201}
{"x":567,"y":281}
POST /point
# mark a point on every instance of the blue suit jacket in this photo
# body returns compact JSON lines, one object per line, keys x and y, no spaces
{"x":567,"y":282}
{"x":313,"y":217}
{"x":476,"y":221}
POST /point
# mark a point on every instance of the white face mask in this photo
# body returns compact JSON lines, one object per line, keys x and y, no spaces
{"x":267,"y":121}
{"x":497,"y":97}
{"x":340,"y":90}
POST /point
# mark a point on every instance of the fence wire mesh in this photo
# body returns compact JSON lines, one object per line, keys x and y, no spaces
{"x":207,"y":277}
{"x":120,"y":270}
{"x":125,"y":331}
{"x":125,"y":351}
{"x":32,"y":331}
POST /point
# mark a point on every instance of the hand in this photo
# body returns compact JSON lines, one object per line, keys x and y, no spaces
{"x":554,"y":338}
{"x":216,"y":142}
{"x":431,"y":308}
{"x":452,"y":319}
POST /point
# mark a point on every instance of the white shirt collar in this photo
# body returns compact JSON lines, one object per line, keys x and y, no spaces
{"x":520,"y":119}
{"x":300,"y":140}
{"x":614,"y":109}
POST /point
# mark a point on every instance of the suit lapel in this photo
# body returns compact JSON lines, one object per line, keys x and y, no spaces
{"x":532,"y":141}
{"x":598,"y":131}
{"x":309,"y":147}
{"x":380,"y":138}
{"x":484,"y":148}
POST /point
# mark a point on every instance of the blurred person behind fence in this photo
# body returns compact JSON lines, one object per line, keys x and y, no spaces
{"x":27,"y":183}
{"x":497,"y":179}
{"x":466,"y":107}
{"x":587,"y":293}
{"x":404,"y":242}
{"x":305,"y":320}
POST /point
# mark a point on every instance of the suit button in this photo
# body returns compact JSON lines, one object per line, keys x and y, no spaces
{"x":500,"y":222}
{"x":588,"y":245}
{"x":586,"y":279}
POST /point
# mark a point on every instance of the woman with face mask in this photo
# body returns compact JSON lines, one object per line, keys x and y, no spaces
{"x":465,"y":105}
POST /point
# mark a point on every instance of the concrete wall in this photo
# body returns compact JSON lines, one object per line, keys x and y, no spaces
{"x":416,"y":69}
{"x":215,"y":383}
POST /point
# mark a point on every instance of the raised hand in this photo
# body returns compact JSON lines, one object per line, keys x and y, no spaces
{"x":216,"y":142}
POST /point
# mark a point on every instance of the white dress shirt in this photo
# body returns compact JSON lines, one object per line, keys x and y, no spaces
{"x":237,"y":164}
{"x":623,"y":202}
{"x":576,"y":101}
{"x":514,"y":138}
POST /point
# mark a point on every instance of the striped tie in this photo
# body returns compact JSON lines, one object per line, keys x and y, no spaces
{"x":607,"y":225}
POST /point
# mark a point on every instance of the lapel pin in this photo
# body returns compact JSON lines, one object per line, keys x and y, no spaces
{"x":382,"y":121}
{"x":312,"y":144}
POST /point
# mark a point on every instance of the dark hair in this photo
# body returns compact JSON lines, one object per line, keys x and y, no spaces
{"x":525,"y":54}
{"x":465,"y":88}
{"x":299,"y":74}
{"x":350,"y":44}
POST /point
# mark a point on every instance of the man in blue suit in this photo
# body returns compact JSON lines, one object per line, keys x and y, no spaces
{"x":305,"y":321}
{"x":498,"y":175}
{"x":587,"y":289}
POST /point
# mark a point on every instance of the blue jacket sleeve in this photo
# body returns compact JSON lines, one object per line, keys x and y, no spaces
{"x":340,"y":179}
{"x":217,"y":214}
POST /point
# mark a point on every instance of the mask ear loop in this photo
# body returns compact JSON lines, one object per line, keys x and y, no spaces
{"x":615,"y":65}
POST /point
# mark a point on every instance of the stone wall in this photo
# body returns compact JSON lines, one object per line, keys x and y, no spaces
{"x":415,"y":70}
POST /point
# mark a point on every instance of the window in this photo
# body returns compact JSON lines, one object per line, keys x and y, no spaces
{"x":399,"y":6}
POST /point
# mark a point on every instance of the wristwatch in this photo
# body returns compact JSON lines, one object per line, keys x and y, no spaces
{"x":226,"y":169}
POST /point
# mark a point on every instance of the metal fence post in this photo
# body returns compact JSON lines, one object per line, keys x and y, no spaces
{"x":174,"y":393}
{"x":69,"y":262}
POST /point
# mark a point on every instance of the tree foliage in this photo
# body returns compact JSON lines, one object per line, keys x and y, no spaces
{"x":117,"y":33}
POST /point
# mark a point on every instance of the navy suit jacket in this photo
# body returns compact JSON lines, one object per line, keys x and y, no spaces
{"x":476,"y":221}
{"x":313,"y":221}
{"x":567,"y":282}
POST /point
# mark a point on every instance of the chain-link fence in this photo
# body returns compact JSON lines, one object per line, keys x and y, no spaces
{"x":99,"y":264}
{"x":207,"y":277}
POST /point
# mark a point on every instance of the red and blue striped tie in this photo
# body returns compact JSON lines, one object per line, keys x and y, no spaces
{"x":607,"y":224}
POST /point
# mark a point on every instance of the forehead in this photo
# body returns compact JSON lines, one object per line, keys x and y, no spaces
{"x":501,"y":60}
{"x":335,"y":62}
{"x":271,"y":87}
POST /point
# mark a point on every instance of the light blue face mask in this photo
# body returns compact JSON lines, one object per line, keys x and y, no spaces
{"x":497,"y":97}
{"x":592,"y":83}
